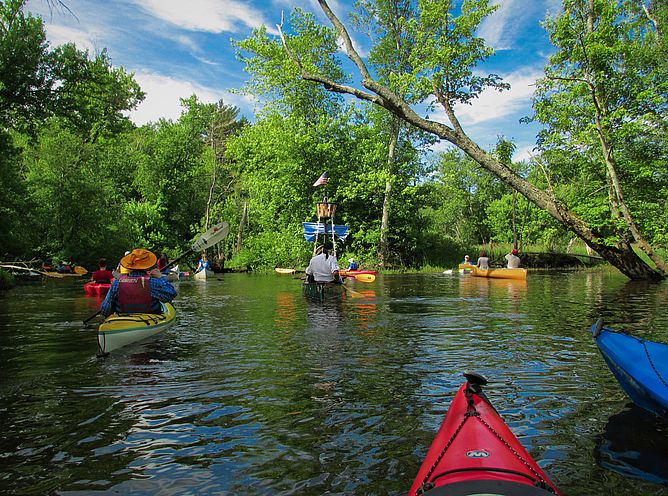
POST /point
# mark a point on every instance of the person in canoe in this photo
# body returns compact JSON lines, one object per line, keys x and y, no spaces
{"x":102,"y":275}
{"x":203,"y":264}
{"x":513,"y":259}
{"x":352,"y":265}
{"x":483,"y":260}
{"x":138,"y":291}
{"x":323,"y":267}
{"x":467,"y":260}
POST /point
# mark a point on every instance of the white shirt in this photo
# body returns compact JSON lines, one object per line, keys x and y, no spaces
{"x":323,"y":269}
{"x":483,"y":263}
{"x":513,"y":261}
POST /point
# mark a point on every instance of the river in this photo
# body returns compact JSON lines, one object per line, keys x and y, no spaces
{"x":258,"y":390}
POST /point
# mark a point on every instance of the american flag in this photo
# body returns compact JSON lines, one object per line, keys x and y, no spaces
{"x":324,"y":177}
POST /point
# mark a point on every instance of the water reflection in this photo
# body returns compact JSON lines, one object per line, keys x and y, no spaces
{"x":634,"y":443}
{"x":258,"y":390}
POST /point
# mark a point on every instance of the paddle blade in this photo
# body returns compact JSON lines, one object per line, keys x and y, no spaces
{"x":353,"y":293}
{"x":80,"y":270}
{"x":365,"y":277}
{"x":213,"y":236}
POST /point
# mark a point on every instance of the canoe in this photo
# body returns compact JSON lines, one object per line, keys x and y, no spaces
{"x":475,"y":453}
{"x":319,"y":290}
{"x":284,"y":271}
{"x":353,"y":273}
{"x":500,"y":273}
{"x":204,"y":274}
{"x":640,"y":366}
{"x":467,"y":266}
{"x":93,"y":288}
{"x":119,"y":330}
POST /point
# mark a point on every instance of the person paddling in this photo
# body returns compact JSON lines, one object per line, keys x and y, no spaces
{"x":139,"y":291}
{"x":483,"y":260}
{"x":323,"y":267}
{"x":102,"y":275}
{"x":203,"y":264}
{"x":513,"y":259}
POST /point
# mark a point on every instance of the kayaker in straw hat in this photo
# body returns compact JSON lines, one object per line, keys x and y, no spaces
{"x":139,"y":291}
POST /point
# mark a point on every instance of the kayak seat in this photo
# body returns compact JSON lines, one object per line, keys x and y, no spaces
{"x":488,"y":488}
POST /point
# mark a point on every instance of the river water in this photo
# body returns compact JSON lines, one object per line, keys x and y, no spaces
{"x":258,"y":390}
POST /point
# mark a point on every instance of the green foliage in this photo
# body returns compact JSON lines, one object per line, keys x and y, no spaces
{"x":607,"y":81}
{"x":6,"y":280}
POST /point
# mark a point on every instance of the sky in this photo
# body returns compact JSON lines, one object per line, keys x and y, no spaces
{"x":177,"y":48}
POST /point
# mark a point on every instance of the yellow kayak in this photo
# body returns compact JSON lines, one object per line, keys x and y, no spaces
{"x":520,"y":274}
{"x":119,"y":330}
{"x":467,"y":266}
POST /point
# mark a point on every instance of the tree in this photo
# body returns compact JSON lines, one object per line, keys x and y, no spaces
{"x":443,"y":58}
{"x":603,"y":92}
{"x":25,"y":79}
{"x":90,"y":94}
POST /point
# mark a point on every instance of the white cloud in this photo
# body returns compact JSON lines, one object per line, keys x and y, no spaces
{"x":513,"y":18}
{"x":213,"y":16}
{"x":492,"y":105}
{"x":59,"y":35}
{"x":163,"y":94}
{"x":494,"y":28}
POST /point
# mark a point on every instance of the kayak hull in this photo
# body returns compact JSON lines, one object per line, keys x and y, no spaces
{"x":204,"y":274}
{"x":97,"y":289}
{"x":475,"y":452}
{"x":467,"y":266}
{"x":517,"y":274}
{"x":640,"y":366}
{"x":284,"y":271}
{"x":119,"y":330}
{"x":353,"y":273}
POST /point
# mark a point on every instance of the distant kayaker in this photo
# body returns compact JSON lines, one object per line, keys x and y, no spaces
{"x":162,"y":262}
{"x":102,"y":275}
{"x":513,"y":259}
{"x":483,"y":260}
{"x":323,"y":267}
{"x":467,"y":260}
{"x":139,"y":291}
{"x":352,"y":265}
{"x":120,"y":269}
{"x":65,"y":268}
{"x":203,"y":264}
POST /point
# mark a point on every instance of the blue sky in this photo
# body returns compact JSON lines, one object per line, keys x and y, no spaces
{"x":177,"y":48}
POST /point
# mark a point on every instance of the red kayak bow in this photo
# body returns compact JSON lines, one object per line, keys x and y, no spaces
{"x":96,"y":288}
{"x":475,"y":452}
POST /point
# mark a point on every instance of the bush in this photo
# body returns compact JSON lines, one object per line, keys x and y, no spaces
{"x":6,"y":280}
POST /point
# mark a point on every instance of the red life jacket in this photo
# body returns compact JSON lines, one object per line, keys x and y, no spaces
{"x":134,"y":294}
{"x":102,"y":276}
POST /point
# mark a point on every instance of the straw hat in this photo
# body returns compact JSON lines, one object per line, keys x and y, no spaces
{"x":139,"y":259}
